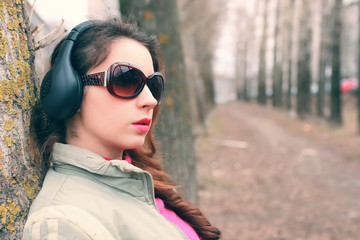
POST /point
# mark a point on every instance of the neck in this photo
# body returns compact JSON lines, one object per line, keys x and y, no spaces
{"x":99,"y":149}
{"x":77,"y":136}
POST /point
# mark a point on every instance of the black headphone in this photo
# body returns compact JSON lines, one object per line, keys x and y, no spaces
{"x":61,"y":90}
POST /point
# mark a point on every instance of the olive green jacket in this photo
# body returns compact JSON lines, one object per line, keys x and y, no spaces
{"x":85,"y":197}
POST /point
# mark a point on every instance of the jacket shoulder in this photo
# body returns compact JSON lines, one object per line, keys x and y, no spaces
{"x":64,"y":222}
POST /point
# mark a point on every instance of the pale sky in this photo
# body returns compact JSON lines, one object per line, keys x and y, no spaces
{"x":52,"y":11}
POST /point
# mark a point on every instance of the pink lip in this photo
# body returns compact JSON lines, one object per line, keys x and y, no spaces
{"x":142,"y":125}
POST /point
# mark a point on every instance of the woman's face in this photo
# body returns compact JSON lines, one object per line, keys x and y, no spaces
{"x":105,"y":124}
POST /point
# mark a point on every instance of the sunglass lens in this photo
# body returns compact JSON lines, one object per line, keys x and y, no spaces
{"x":126,"y":81}
{"x":156,"y":86}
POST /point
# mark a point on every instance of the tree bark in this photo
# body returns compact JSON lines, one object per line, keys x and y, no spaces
{"x":20,"y":177}
{"x":174,"y":129}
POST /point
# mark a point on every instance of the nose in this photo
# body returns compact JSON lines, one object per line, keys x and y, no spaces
{"x":146,"y":99}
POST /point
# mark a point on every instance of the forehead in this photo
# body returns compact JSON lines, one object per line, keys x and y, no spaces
{"x":130,"y":51}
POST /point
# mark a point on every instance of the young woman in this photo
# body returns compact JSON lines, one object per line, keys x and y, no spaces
{"x":93,"y":128}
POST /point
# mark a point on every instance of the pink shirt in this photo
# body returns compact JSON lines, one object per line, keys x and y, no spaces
{"x":170,"y":215}
{"x":175,"y":219}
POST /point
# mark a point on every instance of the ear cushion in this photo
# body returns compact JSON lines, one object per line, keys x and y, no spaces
{"x":61,"y":90}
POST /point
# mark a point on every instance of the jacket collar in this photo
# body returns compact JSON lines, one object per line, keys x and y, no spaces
{"x":90,"y":161}
{"x":73,"y":160}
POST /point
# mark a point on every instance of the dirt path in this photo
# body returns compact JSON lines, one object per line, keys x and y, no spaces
{"x":264,"y":175}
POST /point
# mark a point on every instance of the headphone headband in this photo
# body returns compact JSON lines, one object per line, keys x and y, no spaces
{"x":61,"y":90}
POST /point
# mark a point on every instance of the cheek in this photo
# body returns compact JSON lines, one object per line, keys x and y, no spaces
{"x":94,"y":101}
{"x":100,"y":107}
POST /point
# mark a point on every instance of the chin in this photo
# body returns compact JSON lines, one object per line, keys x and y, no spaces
{"x":134,"y":144}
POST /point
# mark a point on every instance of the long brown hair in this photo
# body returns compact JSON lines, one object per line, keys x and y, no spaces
{"x":92,"y":48}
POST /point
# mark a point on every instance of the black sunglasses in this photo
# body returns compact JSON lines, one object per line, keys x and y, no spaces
{"x":124,"y":80}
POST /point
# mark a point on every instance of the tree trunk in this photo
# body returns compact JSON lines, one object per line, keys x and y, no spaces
{"x":261,"y":98}
{"x":20,"y":177}
{"x":192,"y":75}
{"x":358,"y":90}
{"x":277,"y":70}
{"x":290,"y":48}
{"x":196,"y":88}
{"x":335,"y":115}
{"x":198,"y":34}
{"x":324,"y":42}
{"x":205,"y":37}
{"x":174,"y":129}
{"x":245,"y":93}
{"x":304,"y":58}
{"x":242,"y":42}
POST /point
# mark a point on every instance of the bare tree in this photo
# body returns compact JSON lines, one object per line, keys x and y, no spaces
{"x":196,"y":87}
{"x":303,"y":102}
{"x":20,"y":177}
{"x":277,"y":76}
{"x":243,"y":32}
{"x":261,"y":98}
{"x":244,"y":94}
{"x":205,"y":35}
{"x":335,"y":107}
{"x":290,"y":13}
{"x":324,"y":47}
{"x":198,"y":35}
{"x":160,"y":17}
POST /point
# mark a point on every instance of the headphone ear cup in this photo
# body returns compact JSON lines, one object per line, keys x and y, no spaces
{"x":61,"y":91}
